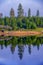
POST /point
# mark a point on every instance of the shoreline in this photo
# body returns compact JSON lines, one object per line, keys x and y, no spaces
{"x":20,"y":33}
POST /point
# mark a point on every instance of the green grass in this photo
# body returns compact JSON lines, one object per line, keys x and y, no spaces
{"x":38,"y":29}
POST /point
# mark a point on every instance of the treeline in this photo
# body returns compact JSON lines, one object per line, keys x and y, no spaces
{"x":21,"y":21}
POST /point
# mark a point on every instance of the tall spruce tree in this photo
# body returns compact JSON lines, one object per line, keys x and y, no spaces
{"x":12,"y":13}
{"x":20,"y":11}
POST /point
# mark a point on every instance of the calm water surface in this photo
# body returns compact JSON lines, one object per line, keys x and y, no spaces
{"x":21,"y":51}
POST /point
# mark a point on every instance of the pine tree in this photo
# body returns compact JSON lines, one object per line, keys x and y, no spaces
{"x":20,"y":11}
{"x":12,"y":14}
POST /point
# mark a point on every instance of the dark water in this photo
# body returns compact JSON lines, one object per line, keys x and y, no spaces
{"x":21,"y":50}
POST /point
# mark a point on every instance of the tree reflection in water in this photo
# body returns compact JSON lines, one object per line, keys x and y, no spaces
{"x":21,"y":42}
{"x":20,"y":50}
{"x":29,"y":49}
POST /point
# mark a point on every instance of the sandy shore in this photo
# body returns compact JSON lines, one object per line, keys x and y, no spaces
{"x":19,"y":33}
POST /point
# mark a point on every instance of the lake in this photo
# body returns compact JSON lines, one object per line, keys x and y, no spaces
{"x":21,"y":50}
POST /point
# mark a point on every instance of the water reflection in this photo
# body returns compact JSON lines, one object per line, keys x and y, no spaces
{"x":20,"y":51}
{"x":29,"y":49}
{"x":21,"y":43}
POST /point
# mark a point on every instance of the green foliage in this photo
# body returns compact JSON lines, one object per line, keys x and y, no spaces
{"x":22,"y":23}
{"x":1,"y":21}
{"x":13,"y":23}
{"x":34,"y":40}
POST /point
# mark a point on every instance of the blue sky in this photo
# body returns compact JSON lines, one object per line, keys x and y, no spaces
{"x":6,"y":5}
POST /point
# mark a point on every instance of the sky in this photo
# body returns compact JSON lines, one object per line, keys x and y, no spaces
{"x":34,"y":5}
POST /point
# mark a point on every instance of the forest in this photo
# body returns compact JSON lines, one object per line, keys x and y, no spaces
{"x":21,"y":21}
